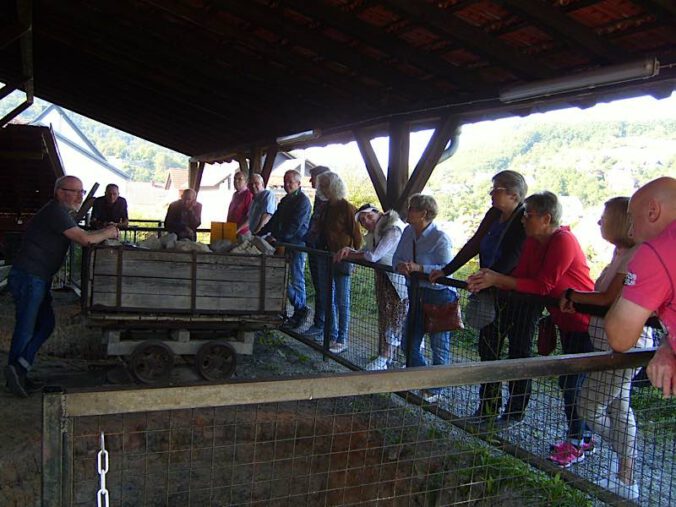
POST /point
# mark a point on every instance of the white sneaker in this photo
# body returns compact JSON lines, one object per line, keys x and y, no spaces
{"x":379,"y":363}
{"x":337,"y":348}
{"x":429,"y":396}
{"x":615,"y":485}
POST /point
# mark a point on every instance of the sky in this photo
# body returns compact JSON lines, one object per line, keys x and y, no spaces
{"x":636,"y":109}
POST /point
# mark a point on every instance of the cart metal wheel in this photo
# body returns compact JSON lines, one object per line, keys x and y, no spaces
{"x":216,"y":360}
{"x":151,"y":362}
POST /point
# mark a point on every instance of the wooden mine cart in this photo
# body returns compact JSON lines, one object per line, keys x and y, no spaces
{"x":189,"y":295}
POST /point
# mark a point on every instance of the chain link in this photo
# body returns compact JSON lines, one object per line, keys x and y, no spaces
{"x":102,"y":468}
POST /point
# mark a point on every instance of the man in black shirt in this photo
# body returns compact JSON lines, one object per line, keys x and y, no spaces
{"x":110,"y":209}
{"x":43,"y":249}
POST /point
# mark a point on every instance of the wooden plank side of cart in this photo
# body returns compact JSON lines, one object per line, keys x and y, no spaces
{"x":187,"y":287}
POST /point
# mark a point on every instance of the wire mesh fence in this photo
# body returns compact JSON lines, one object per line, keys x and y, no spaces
{"x":378,"y":438}
{"x":347,"y":439}
{"x":566,"y":419}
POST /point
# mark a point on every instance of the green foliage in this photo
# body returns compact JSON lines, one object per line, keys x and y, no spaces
{"x":498,"y":473}
{"x":652,"y":408}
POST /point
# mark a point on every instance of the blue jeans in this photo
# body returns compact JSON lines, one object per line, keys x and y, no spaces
{"x":34,"y":316}
{"x":341,"y":308}
{"x":574,"y":343}
{"x":296,"y":288}
{"x":318,"y":270}
{"x":440,"y":342}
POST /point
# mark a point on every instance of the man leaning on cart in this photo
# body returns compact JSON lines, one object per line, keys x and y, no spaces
{"x":42,"y":252}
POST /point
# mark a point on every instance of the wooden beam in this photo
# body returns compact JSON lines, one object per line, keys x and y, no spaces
{"x":243,"y":162}
{"x":373,"y":168}
{"x":273,"y":390}
{"x":15,"y":112}
{"x":664,"y":10}
{"x":397,"y":171}
{"x":270,"y":156}
{"x":256,"y":160}
{"x":304,"y":36}
{"x":10,"y":33}
{"x":273,"y":53}
{"x":472,"y":38}
{"x":351,"y":25}
{"x":447,"y":130}
{"x":195,"y":172}
{"x":25,"y":14}
{"x":577,"y":35}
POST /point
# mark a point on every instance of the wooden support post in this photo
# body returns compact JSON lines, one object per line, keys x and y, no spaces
{"x":243,"y":162}
{"x":195,"y":171}
{"x":53,"y":414}
{"x":256,"y":161}
{"x":372,"y":167}
{"x":397,"y":171}
{"x":447,"y":130}
{"x":270,"y":156}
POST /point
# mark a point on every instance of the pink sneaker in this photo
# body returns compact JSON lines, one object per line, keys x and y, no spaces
{"x":586,"y":447}
{"x":567,"y":455}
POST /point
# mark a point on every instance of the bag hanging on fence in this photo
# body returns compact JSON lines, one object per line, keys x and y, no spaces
{"x":443,"y":317}
{"x":546,"y":336}
{"x":480,"y":309}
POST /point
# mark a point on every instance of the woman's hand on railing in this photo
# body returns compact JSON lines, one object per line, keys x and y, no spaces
{"x":482,"y":279}
{"x":342,"y":254}
{"x":565,"y":304}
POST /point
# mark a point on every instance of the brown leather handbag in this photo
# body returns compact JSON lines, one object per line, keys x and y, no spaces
{"x":443,"y":317}
{"x":546,"y":336}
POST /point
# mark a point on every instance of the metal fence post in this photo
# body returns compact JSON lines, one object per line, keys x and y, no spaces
{"x":328,"y":310}
{"x":52,"y":448}
{"x":413,"y":302}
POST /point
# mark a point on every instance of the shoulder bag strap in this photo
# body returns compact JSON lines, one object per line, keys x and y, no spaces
{"x":509,"y":223}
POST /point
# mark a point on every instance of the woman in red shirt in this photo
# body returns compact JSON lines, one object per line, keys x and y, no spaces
{"x":551,"y":262}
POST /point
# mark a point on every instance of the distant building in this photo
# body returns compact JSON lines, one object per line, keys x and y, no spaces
{"x":78,"y":154}
{"x":216,"y":187}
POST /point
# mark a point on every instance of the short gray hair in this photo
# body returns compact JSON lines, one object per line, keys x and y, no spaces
{"x":332,"y":186}
{"x":257,"y":177}
{"x":513,"y":182}
{"x":546,"y":202}
{"x":61,"y":181}
{"x":425,"y":203}
{"x":296,"y":175}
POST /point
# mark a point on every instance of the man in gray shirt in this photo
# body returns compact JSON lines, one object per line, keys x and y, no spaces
{"x":42,"y":252}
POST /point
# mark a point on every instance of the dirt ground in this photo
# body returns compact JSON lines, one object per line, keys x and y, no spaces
{"x":74,"y":357}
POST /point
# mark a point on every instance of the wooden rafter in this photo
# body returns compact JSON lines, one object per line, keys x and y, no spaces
{"x":445,"y":132}
{"x":270,"y":156}
{"x":373,"y":168}
{"x":389,"y":44}
{"x":397,"y":171}
{"x":361,"y":65}
{"x":664,"y":10}
{"x":238,"y":37}
{"x":475,"y":39}
{"x":552,"y":19}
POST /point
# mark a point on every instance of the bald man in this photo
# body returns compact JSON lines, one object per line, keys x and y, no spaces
{"x":184,"y":216}
{"x":650,"y":284}
{"x":43,"y":249}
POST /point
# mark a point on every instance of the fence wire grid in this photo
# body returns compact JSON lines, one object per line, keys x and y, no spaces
{"x":371,"y":438}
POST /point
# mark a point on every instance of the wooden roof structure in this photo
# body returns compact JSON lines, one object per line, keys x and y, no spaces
{"x":221,"y":77}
